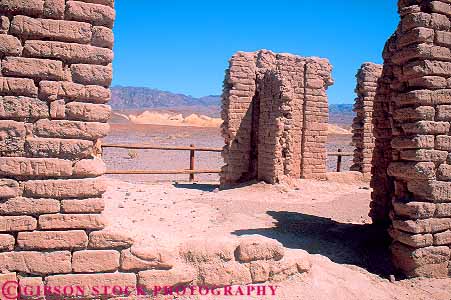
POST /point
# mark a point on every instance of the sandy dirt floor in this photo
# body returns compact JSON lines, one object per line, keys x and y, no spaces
{"x":327,"y":219}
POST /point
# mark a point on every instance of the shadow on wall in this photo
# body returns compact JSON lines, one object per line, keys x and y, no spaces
{"x":363,"y":245}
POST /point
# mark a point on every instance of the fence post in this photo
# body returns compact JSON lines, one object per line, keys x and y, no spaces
{"x":191,"y":163}
{"x":339,"y":161}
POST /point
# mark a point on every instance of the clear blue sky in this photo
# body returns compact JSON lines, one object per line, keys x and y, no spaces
{"x":184,"y":45}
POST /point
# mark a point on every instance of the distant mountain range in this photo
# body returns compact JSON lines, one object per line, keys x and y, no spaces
{"x":139,"y":98}
{"x":144,"y":98}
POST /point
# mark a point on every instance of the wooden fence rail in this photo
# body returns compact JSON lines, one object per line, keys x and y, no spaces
{"x":192,"y":149}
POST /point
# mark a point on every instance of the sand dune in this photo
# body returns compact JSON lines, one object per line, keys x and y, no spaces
{"x":194,"y":120}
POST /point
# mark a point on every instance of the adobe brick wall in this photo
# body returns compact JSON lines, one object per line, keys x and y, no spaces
{"x":56,"y":70}
{"x":362,"y":127}
{"x":275,"y":113}
{"x":412,"y":178}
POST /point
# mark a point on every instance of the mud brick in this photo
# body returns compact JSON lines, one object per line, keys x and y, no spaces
{"x":443,"y":142}
{"x":92,"y":74}
{"x":426,"y":113}
{"x":10,"y":45}
{"x":36,"y":263}
{"x":108,"y":239}
{"x":22,"y":108}
{"x":60,"y":189}
{"x":424,"y":155}
{"x":102,"y":37}
{"x":7,"y":242}
{"x":419,"y":141}
{"x":441,"y":7}
{"x":57,"y":30}
{"x":422,"y":52}
{"x":9,"y":188}
{"x":427,"y":68}
{"x":443,"y":210}
{"x":443,"y":113}
{"x":17,"y":223}
{"x":429,"y":82}
{"x":70,"y":129}
{"x":51,"y":90}
{"x":27,"y":7}
{"x":93,"y":13}
{"x":59,"y":148}
{"x":170,"y":278}
{"x":154,"y":258}
{"x":52,"y":240}
{"x":426,"y":127}
{"x":412,"y":240}
{"x":89,"y":168}
{"x":424,"y":262}
{"x":425,"y":97}
{"x":95,"y":261}
{"x":259,"y":249}
{"x":4,"y":24}
{"x":434,"y":191}
{"x":25,"y":206}
{"x":442,"y":238}
{"x":42,"y":69}
{"x":408,"y":170}
{"x":68,"y":52}
{"x":444,"y":172}
{"x":88,"y":112}
{"x":17,"y":87}
{"x":103,"y":2}
{"x":71,"y":221}
{"x":90,"y":281}
{"x":422,"y":226}
{"x":54,"y":9}
{"x":57,"y":109}
{"x":79,"y":206}
{"x":416,"y":36}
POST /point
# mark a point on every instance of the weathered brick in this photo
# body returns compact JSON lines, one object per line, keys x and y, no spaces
{"x":168,"y":278}
{"x":426,"y":113}
{"x":443,"y":113}
{"x":60,"y":148}
{"x":43,"y":69}
{"x":60,"y":189}
{"x":67,"y":52}
{"x":58,"y":110}
{"x":103,"y":2}
{"x":423,"y":226}
{"x":409,"y":170}
{"x":7,"y":242}
{"x":34,"y":167}
{"x":443,"y":142}
{"x":102,"y":37}
{"x":412,"y":240}
{"x":434,"y":191}
{"x":89,"y":168}
{"x":36,"y":263}
{"x":12,"y":137}
{"x":52,"y":240}
{"x":415,"y":142}
{"x":425,"y":97}
{"x":444,"y":172}
{"x":70,"y":129}
{"x":424,"y":155}
{"x":88,"y":112}
{"x":92,"y":13}
{"x":443,"y":210}
{"x":54,"y":9}
{"x":25,"y":206}
{"x":92,"y":74}
{"x":441,"y":7}
{"x":95,"y":261}
{"x":9,"y":189}
{"x":51,"y":90}
{"x":4,"y":24}
{"x":414,"y":210}
{"x":10,"y":45}
{"x":22,"y":108}
{"x":154,"y":258}
{"x":58,"y":30}
{"x":428,"y":82}
{"x":426,"y":127}
{"x":17,"y":87}
{"x":26,"y":7}
{"x":106,"y":239}
{"x":259,"y":248}
{"x":442,"y":238}
{"x":86,"y":206}
{"x":71,"y":221}
{"x":427,"y":68}
{"x":90,"y":281}
{"x":17,"y":223}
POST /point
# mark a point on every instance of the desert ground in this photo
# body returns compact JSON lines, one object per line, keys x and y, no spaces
{"x":328,"y":219}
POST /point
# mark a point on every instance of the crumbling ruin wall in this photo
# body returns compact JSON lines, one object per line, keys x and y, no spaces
{"x":362,"y":127}
{"x":275,"y":113}
{"x":412,"y":114}
{"x":56,"y":70}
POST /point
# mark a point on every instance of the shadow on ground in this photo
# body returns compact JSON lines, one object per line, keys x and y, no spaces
{"x":363,"y":245}
{"x":204,"y":187}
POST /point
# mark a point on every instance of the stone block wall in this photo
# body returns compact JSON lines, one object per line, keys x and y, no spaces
{"x":411,"y":174}
{"x":275,"y":113}
{"x":362,"y":127}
